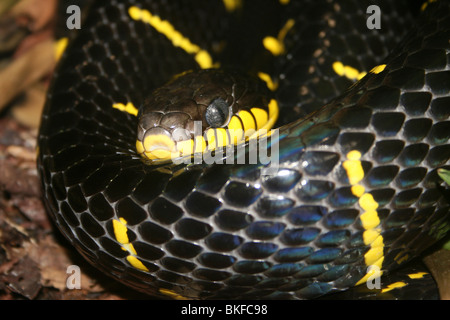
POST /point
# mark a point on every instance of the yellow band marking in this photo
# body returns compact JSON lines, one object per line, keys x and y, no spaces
{"x":248,"y":121}
{"x":272,"y":85}
{"x":152,"y":142}
{"x":163,"y":147}
{"x":261,"y":117}
{"x":202,"y":57}
{"x":257,"y":122}
{"x":358,"y":190}
{"x":378,"y":69}
{"x":354,"y":155}
{"x":373,"y":271}
{"x":393,"y":286}
{"x":353,"y":167}
{"x":374,"y":257}
{"x":284,"y":2}
{"x":369,"y":218}
{"x":236,"y":130}
{"x":159,"y":154}
{"x":120,"y":232}
{"x":172,"y":294}
{"x":347,"y":71}
{"x":155,"y":147}
{"x":352,"y":73}
{"x":265,"y":131}
{"x":128,"y":108}
{"x":371,"y":236}
{"x":210,"y":137}
{"x":232,"y":5}
{"x":60,"y":47}
{"x":185,"y":147}
{"x":274,"y":111}
{"x":425,"y":4}
{"x":401,"y":257}
{"x":418,"y":275}
{"x":200,"y":144}
{"x":273,"y":45}
{"x":221,"y":135}
{"x":140,"y":147}
{"x":276,"y":45}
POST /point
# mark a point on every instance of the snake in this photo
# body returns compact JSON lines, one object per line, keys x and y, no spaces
{"x":348,"y":191}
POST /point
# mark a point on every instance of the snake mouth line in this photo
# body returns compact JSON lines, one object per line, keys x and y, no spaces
{"x":159,"y":144}
{"x":163,"y":147}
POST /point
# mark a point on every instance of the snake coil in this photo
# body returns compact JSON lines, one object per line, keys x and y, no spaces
{"x":356,"y":184}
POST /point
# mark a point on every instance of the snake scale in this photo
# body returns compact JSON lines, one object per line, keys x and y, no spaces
{"x":355,"y":191}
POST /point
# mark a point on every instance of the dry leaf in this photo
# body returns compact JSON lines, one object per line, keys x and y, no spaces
{"x":26,"y":70}
{"x":28,"y":111}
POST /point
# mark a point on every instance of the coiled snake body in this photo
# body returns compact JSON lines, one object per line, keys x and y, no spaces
{"x":356,"y":183}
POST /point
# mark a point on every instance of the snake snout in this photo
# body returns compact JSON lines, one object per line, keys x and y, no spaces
{"x":156,"y":143}
{"x":161,"y":135}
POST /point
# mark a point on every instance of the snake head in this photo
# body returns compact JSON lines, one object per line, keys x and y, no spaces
{"x":196,"y":110}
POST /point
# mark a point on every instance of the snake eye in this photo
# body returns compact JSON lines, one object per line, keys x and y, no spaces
{"x":217,"y":113}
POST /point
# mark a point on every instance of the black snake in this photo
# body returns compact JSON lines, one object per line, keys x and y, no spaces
{"x":356,"y":181}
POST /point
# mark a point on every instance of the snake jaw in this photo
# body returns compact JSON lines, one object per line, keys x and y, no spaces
{"x":159,"y":144}
{"x":156,"y":143}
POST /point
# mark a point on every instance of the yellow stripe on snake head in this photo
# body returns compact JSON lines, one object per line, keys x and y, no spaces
{"x":235,"y":129}
{"x":248,"y":121}
{"x":185,"y":147}
{"x":272,"y":118}
{"x":210,"y":138}
{"x":158,"y":147}
{"x":200,"y":144}
{"x":261,"y":117}
{"x":158,"y":154}
{"x":222,"y":137}
{"x":217,"y":138}
{"x":140,"y":147}
{"x":232,"y":5}
{"x":273,"y":114}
